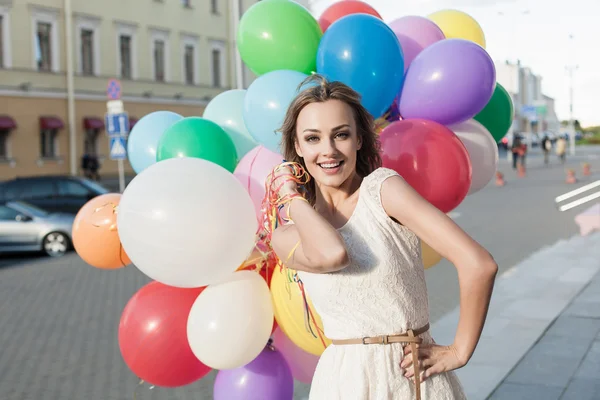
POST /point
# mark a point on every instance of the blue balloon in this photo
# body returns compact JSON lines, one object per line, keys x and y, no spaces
{"x":143,"y":139}
{"x":361,"y":51}
{"x":226,"y":110}
{"x":266,"y":102}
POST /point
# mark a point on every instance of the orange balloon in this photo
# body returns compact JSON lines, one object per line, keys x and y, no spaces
{"x":95,"y":235}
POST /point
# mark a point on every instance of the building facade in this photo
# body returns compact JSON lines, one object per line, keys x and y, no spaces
{"x":57,"y":56}
{"x":534,"y":111}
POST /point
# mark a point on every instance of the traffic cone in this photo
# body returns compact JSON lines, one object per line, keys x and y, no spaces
{"x":521,"y":170}
{"x":587,"y":169}
{"x":571,"y":176}
{"x":500,"y":179}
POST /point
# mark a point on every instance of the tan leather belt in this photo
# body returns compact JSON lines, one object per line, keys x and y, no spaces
{"x":411,"y":336}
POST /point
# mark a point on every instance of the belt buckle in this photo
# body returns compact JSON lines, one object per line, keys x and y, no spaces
{"x":385,"y":339}
{"x":363,"y":340}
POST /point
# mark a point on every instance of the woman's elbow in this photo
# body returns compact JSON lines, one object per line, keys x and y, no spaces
{"x":488,"y":265}
{"x":335,"y":261}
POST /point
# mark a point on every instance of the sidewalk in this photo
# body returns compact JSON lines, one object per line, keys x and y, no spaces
{"x":541,"y":339}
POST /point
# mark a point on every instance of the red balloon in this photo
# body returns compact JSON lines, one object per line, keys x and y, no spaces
{"x":153,"y":336}
{"x":431,"y":158}
{"x":343,"y":8}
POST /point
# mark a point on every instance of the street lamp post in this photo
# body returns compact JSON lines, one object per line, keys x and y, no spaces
{"x":571,"y":68}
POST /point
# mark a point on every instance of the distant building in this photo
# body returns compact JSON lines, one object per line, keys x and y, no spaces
{"x":534,"y":111}
{"x":168,"y":54}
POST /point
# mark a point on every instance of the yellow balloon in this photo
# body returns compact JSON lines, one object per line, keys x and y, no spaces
{"x":288,"y":305}
{"x":429,"y":255}
{"x":458,"y":25}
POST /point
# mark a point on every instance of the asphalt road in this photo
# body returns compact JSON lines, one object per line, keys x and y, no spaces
{"x":59,"y":317}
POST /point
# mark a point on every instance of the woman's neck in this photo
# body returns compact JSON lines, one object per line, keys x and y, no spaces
{"x":330,"y":198}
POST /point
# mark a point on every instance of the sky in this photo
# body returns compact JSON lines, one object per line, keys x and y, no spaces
{"x":537,"y":32}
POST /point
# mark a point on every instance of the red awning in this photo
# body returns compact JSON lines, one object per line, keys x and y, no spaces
{"x":51,"y":123}
{"x":7,"y":122}
{"x":132,"y":122}
{"x":93,"y":123}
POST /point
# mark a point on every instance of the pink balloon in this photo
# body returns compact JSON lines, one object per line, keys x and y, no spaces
{"x":253,"y":170}
{"x":415,"y":33}
{"x":301,"y":363}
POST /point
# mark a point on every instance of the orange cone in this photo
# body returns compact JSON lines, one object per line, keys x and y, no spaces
{"x":500,"y":179}
{"x":571,"y":176}
{"x":587,"y":169}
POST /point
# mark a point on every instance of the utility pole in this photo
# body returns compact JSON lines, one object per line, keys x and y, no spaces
{"x":571,"y":68}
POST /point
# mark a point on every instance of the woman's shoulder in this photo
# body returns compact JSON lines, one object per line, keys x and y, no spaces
{"x":378,"y":176}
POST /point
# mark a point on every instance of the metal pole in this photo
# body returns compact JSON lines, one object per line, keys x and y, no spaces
{"x":121,"y":176}
{"x":239,"y":66}
{"x":571,"y":119}
{"x":70,"y":88}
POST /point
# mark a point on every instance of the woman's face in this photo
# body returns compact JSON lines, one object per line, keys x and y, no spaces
{"x":328,"y":141}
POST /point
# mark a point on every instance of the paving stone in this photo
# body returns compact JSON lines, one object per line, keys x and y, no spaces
{"x":590,"y":367}
{"x":575,"y":327}
{"x":518,"y":391}
{"x":582,"y":389}
{"x":588,"y":309}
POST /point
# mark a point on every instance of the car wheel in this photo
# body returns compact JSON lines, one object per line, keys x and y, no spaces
{"x":55,"y":244}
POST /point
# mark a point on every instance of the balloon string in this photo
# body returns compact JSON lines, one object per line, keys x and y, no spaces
{"x":114,"y":210}
{"x":271,"y":208}
{"x":138,"y":386}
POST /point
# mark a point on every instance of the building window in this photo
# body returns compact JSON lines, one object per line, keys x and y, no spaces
{"x":125,"y":56}
{"x":214,"y":6}
{"x":90,"y":144}
{"x":159,"y":60}
{"x":189,"y":53}
{"x":87,"y":51}
{"x":44,"y":46}
{"x":4,"y":153}
{"x":2,"y":64}
{"x":48,"y":143}
{"x":216,"y":67}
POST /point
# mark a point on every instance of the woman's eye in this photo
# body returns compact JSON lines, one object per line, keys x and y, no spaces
{"x":342,"y":135}
{"x":312,"y":139}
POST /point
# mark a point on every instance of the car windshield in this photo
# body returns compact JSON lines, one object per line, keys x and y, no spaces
{"x":27,"y":208}
{"x":95,"y":186}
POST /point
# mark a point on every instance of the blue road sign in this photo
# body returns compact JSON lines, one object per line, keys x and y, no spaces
{"x":118,"y":148}
{"x":113,"y":90}
{"x":117,"y":124}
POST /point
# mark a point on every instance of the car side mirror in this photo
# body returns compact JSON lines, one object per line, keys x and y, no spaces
{"x":23,"y":218}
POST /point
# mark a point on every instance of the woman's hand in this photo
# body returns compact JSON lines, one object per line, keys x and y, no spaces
{"x":283,"y":177}
{"x":433,"y":359}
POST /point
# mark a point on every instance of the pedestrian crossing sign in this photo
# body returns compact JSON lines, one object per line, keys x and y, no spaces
{"x":118,"y":147}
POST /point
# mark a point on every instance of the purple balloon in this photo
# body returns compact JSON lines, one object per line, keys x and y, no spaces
{"x":415,"y":33}
{"x":449,"y":82}
{"x":267,"y":377}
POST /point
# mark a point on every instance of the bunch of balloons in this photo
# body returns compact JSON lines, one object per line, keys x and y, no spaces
{"x":189,"y":219}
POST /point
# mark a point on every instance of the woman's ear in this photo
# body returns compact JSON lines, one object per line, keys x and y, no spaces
{"x":359,"y":142}
{"x":297,"y":147}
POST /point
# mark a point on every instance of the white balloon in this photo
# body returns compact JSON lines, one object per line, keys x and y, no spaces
{"x":230,"y":322}
{"x":483,"y":152}
{"x":186,"y":222}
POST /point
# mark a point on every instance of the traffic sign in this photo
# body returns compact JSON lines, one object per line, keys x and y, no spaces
{"x":118,"y":148}
{"x":117,"y":124}
{"x":113,"y":90}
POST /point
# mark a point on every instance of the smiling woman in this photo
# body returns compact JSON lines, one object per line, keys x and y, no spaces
{"x":355,"y":242}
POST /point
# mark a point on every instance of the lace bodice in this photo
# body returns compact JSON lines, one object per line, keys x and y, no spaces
{"x":383,"y":290}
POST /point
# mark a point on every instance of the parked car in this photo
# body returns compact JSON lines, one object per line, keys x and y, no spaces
{"x":64,"y":194}
{"x":24,"y":227}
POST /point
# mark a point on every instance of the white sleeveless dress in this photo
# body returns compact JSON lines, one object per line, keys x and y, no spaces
{"x":381,"y":292}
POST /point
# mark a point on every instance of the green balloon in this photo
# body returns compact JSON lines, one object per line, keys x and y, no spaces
{"x":200,"y":138}
{"x":279,"y":34}
{"x":497,"y":115}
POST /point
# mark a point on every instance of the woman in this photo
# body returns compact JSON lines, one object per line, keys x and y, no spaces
{"x":355,"y":241}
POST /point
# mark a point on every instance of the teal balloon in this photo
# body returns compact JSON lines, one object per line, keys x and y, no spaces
{"x":143,"y":139}
{"x":199,"y":138}
{"x":226,"y":109}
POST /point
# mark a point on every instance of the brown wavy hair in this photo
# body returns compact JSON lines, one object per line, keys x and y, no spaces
{"x":320,"y":90}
